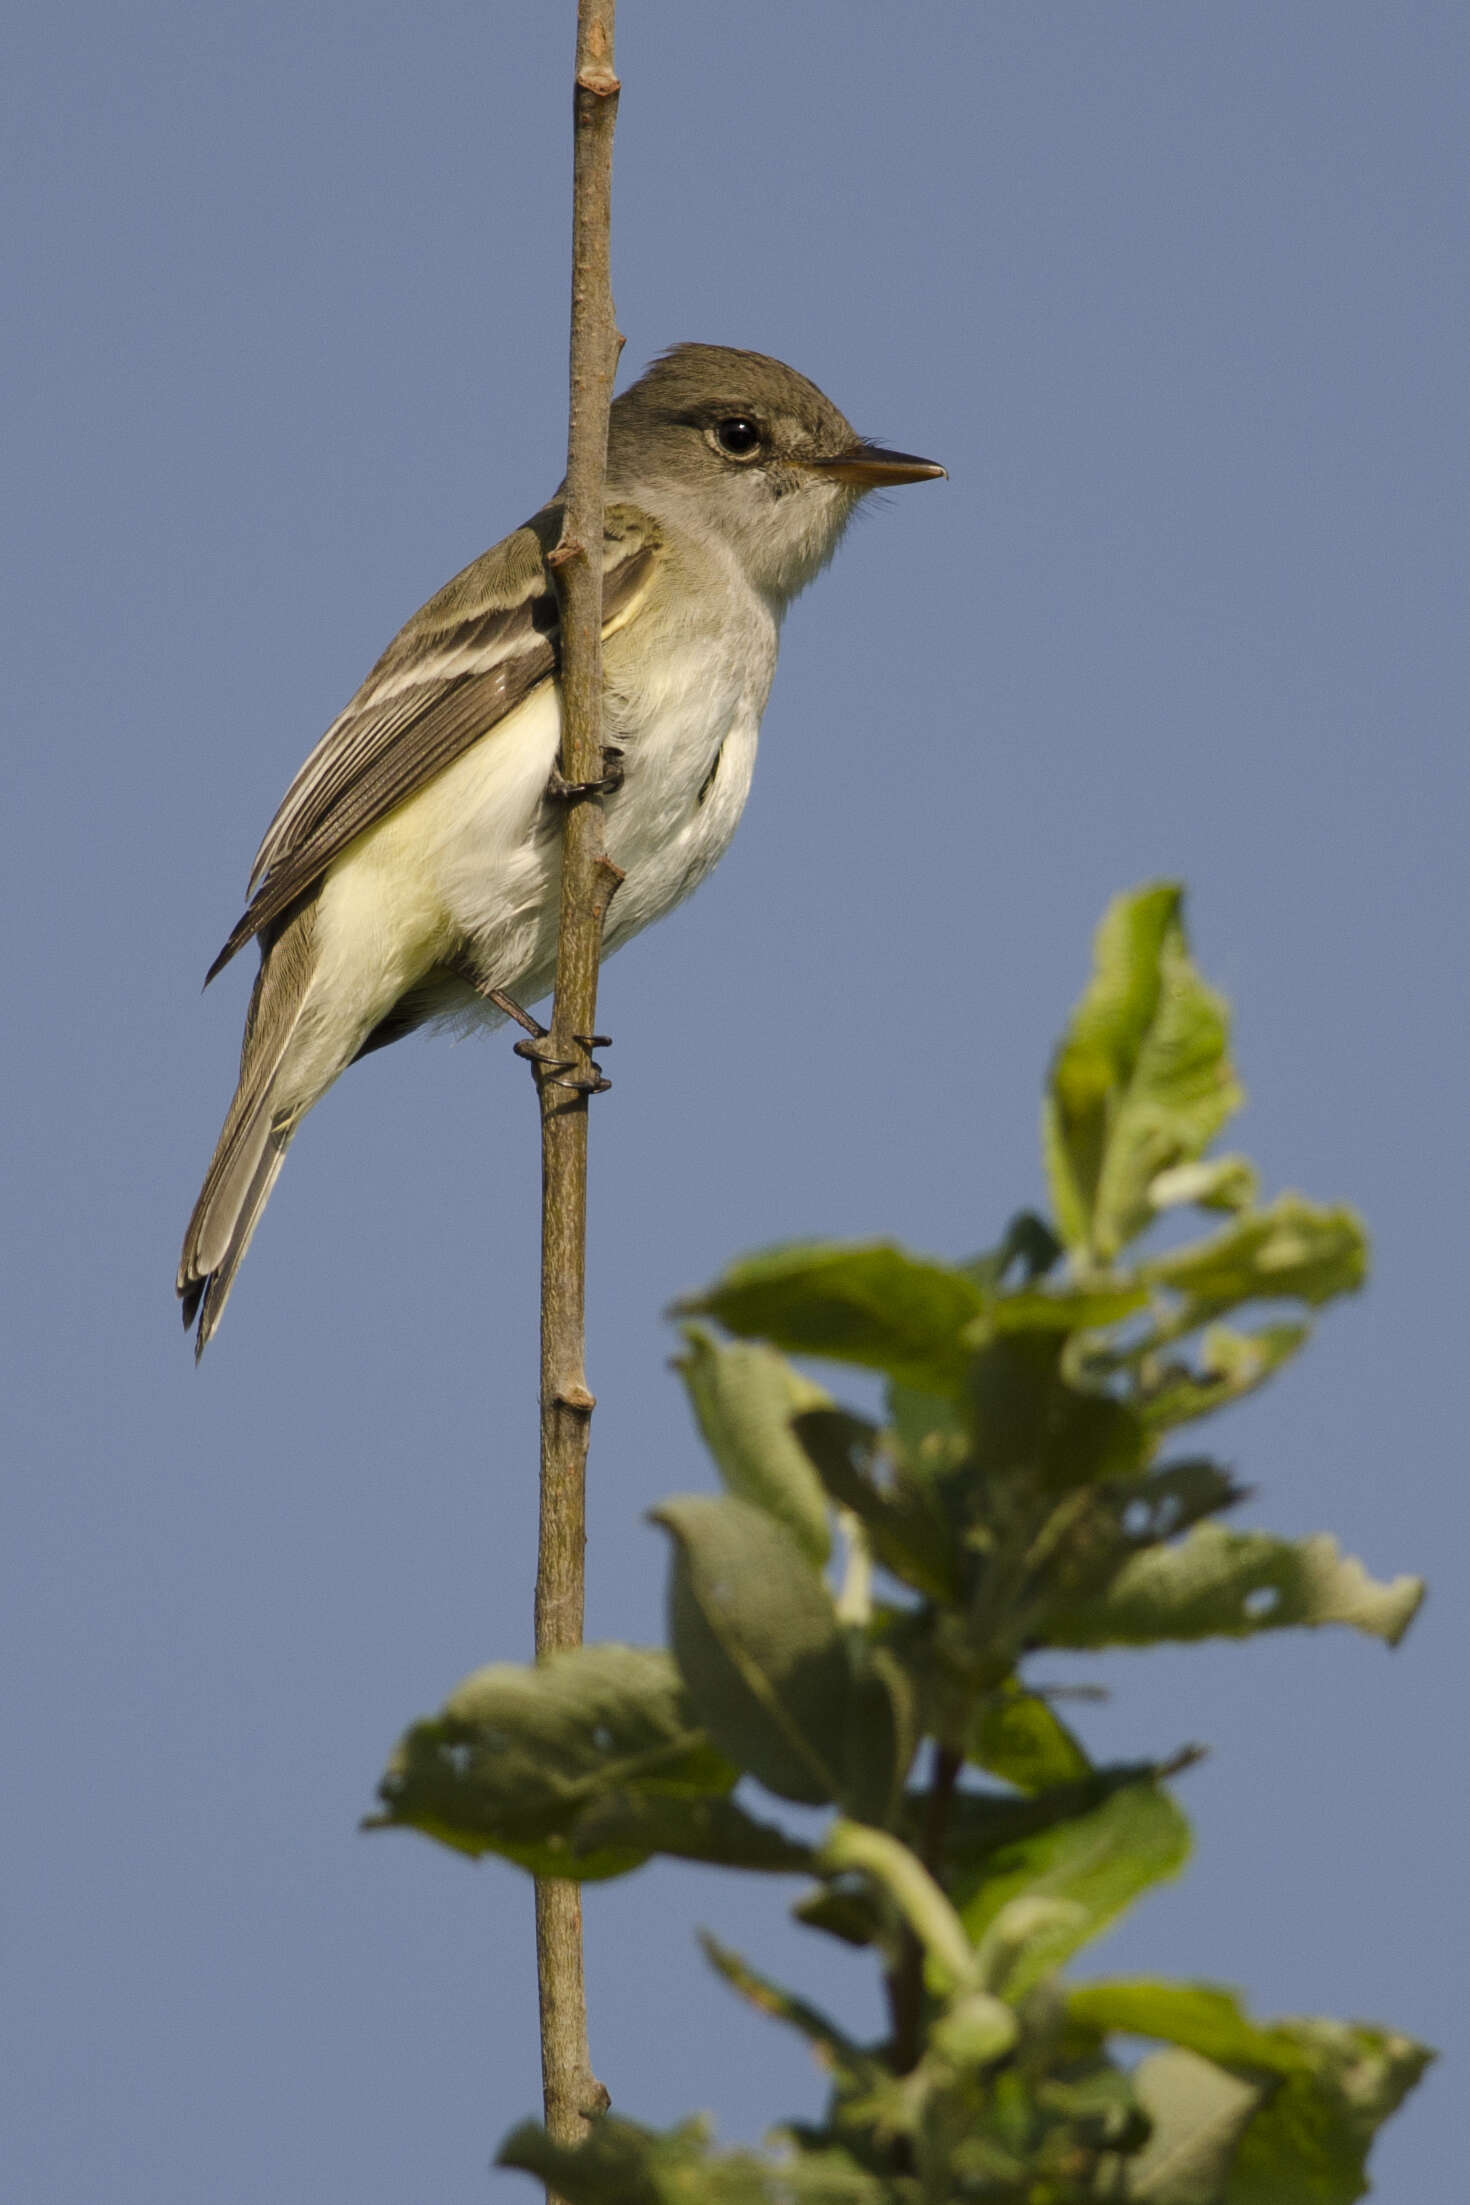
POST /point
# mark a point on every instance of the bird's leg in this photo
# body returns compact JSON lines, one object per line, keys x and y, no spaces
{"x":545,"y":1063}
{"x":512,"y":1009}
{"x":535,"y":1048}
{"x":566,"y":792}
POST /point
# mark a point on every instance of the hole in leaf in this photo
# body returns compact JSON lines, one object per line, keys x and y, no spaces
{"x":602,"y":1738}
{"x":1261,"y":1601}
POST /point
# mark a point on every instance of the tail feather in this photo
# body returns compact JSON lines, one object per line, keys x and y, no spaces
{"x":207,"y":1288}
{"x":256,"y":1134}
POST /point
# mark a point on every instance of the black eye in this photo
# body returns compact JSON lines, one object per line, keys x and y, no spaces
{"x":738,"y":436}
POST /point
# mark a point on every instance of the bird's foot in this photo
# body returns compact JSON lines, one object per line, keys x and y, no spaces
{"x":566,"y":792}
{"x":594,"y":1081}
{"x":552,"y":1069}
{"x":544,"y":1059}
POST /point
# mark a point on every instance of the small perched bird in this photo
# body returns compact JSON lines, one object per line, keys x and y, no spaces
{"x":414,"y":864}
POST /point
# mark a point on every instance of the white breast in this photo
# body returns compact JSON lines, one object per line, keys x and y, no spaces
{"x":475,"y":857}
{"x":687,"y":770}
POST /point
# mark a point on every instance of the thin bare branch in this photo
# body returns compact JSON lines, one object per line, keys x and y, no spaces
{"x":565,"y":1073}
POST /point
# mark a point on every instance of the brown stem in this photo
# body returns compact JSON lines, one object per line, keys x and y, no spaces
{"x":565,"y":1073}
{"x":943,"y":1777}
{"x":905,"y":1979}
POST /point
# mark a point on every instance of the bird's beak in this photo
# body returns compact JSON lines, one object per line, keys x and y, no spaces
{"x":869,"y":467}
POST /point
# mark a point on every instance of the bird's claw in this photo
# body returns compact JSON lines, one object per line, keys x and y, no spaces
{"x":550,"y":1067}
{"x":535,"y":1049}
{"x":566,"y":792}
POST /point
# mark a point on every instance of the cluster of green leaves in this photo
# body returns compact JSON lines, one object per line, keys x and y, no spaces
{"x":850,"y":1623}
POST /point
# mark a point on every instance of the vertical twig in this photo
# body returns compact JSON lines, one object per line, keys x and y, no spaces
{"x":905,"y":1980}
{"x":565,"y":1073}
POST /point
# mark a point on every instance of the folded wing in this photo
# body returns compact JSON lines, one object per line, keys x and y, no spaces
{"x":462,"y":664}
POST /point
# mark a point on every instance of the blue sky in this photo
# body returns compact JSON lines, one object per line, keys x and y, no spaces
{"x":1179,"y":297}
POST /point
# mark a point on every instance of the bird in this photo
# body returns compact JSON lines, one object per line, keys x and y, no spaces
{"x":413,"y":867}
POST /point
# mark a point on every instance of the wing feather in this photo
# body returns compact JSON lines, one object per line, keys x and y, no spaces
{"x":460,"y":666}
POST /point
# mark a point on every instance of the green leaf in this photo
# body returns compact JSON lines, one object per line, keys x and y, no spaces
{"x":982,"y":1828}
{"x":983,"y":1824}
{"x":1199,"y":2016}
{"x":744,"y":1397}
{"x":520,"y":1753}
{"x":871,"y":1304}
{"x":1028,"y":1419}
{"x":714,"y":1830}
{"x":1142,"y":1081}
{"x":1096,"y":2102}
{"x":1081,"y":1549}
{"x":1091,"y":1538}
{"x":1028,"y":1241}
{"x":1231,"y":1364}
{"x":1019,"y":1737}
{"x":974,"y":2030}
{"x":1168,"y":1500}
{"x":854,"y":1848}
{"x":759,"y":1647}
{"x":1029,"y":1936}
{"x":882,"y":1732}
{"x":839,"y":2053}
{"x":622,"y":2163}
{"x":1337,"y":2082}
{"x":865,"y":2090}
{"x":929,"y":1431}
{"x":1198,"y":2114}
{"x":847,"y":1912}
{"x":1231,"y":1584}
{"x":1223,"y":1183}
{"x":1076,"y":1308}
{"x":1099,"y":1861}
{"x":1313,"y":2138}
{"x":1293,"y":1250}
{"x":783,"y":1689}
{"x":904,"y":1519}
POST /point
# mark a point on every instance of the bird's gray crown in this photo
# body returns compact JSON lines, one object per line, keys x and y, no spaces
{"x":693,"y":386}
{"x":731,"y":444}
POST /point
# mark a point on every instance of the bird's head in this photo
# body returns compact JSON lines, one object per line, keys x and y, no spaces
{"x":738,"y":445}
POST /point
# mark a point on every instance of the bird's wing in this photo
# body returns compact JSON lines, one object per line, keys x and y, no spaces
{"x":464,"y":661}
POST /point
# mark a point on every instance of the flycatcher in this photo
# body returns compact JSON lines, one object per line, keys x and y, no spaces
{"x":414,"y":864}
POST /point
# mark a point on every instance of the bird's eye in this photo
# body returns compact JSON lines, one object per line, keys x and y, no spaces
{"x":738,"y":436}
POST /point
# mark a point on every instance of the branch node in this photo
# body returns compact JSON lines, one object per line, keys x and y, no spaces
{"x":569,"y":548}
{"x":600,"y":82}
{"x":581,"y":1403}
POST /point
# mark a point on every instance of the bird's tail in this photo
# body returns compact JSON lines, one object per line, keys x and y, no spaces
{"x":256,"y":1134}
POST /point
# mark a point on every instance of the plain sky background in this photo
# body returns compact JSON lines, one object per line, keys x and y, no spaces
{"x":1178,"y":294}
